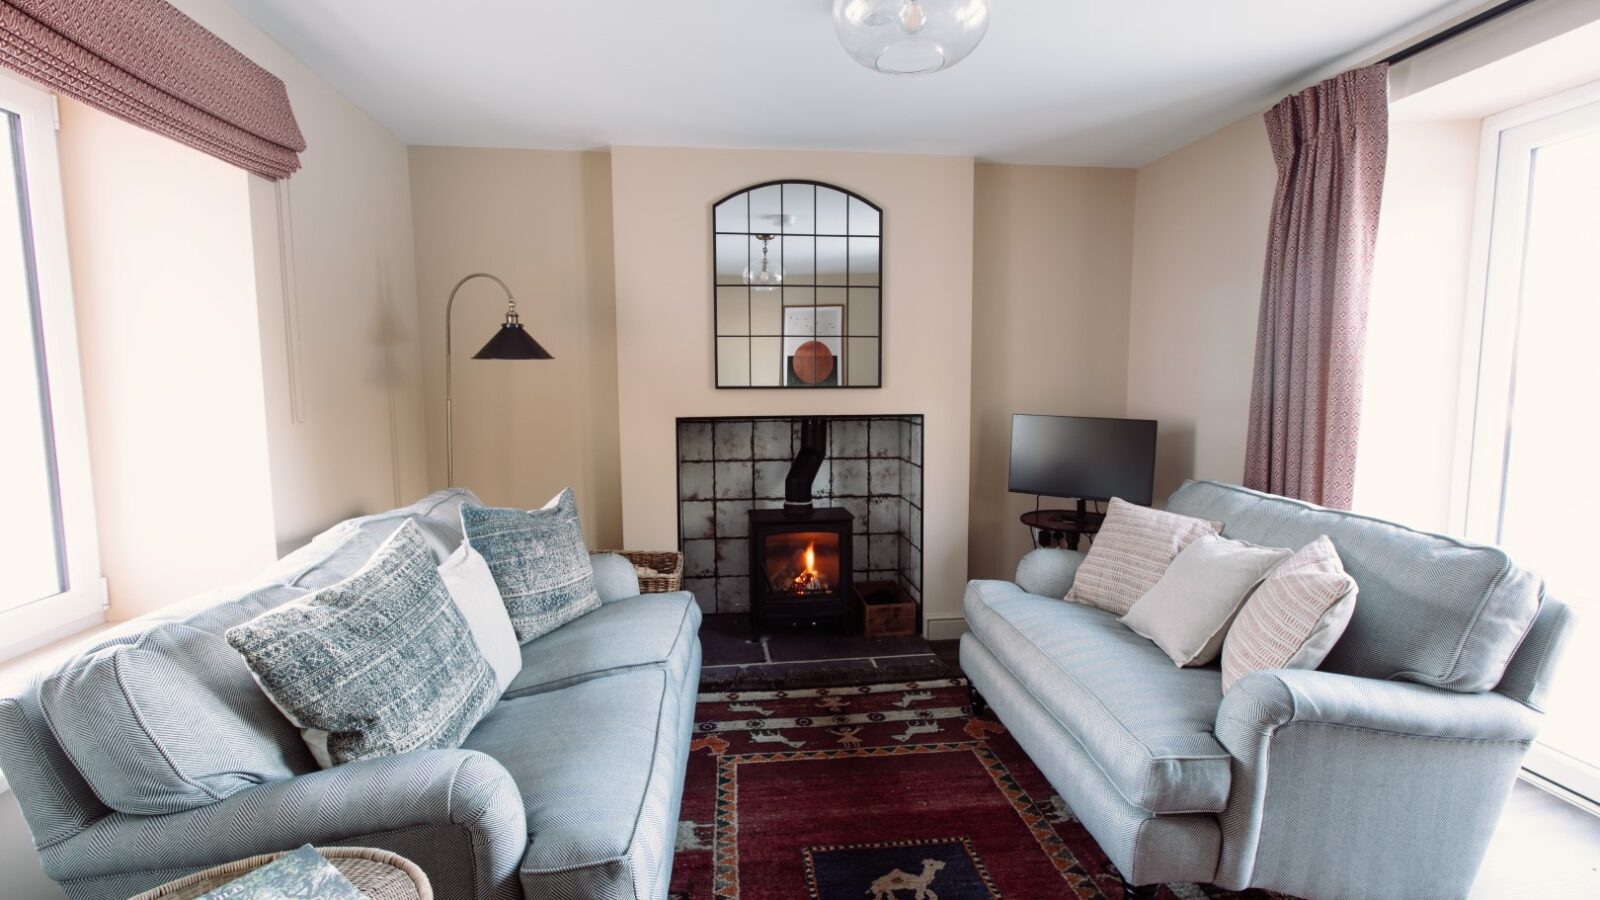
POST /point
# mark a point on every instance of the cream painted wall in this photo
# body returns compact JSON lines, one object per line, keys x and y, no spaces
{"x":1414,"y":328}
{"x":661,"y":201}
{"x":1200,"y":230}
{"x":540,"y":220}
{"x":337,"y":303}
{"x":357,"y":444}
{"x":164,"y":285}
{"x":1052,"y":268}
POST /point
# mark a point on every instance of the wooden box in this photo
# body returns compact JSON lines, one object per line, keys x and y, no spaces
{"x":884,"y":610}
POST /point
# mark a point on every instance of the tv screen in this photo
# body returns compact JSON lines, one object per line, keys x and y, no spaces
{"x":1079,"y":457}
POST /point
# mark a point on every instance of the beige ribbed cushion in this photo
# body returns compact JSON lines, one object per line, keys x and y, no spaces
{"x":1131,"y":553}
{"x":1295,"y":616}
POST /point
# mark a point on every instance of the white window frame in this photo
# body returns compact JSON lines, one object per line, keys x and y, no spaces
{"x":83,"y":603}
{"x":1488,"y":358}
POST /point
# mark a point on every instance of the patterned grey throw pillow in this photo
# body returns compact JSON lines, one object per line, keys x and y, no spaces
{"x":380,"y":663}
{"x":539,"y":561}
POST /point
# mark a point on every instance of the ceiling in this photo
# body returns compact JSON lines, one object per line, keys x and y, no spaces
{"x":1064,"y":83}
{"x":1569,"y":60}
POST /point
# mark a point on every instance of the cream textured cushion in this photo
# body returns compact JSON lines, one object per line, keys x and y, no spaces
{"x":1188,"y":612}
{"x":1294,"y":618}
{"x":471,"y":585}
{"x":1131,"y":553}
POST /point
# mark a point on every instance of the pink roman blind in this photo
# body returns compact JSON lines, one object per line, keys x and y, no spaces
{"x":148,"y":63}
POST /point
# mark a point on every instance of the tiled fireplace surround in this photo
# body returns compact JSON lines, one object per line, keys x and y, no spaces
{"x":728,"y":466}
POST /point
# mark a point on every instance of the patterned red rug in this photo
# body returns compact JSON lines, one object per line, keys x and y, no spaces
{"x":881,"y":792}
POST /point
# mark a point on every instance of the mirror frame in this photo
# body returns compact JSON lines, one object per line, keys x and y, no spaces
{"x":716,"y":373}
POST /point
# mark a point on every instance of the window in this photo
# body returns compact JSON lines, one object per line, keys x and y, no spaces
{"x":1532,"y":374}
{"x":53,"y":584}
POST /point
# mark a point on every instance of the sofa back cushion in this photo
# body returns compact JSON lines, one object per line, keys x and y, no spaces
{"x":56,"y":800}
{"x":169,"y":722}
{"x":1433,"y":609}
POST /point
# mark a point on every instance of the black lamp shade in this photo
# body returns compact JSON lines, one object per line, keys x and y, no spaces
{"x":512,"y":341}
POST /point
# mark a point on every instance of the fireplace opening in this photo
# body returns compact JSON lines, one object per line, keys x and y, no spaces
{"x":794,"y":468}
{"x":802,"y":563}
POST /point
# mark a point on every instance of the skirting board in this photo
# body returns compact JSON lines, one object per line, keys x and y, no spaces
{"x":946,"y":628}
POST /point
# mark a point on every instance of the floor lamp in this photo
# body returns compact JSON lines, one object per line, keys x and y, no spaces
{"x":512,"y":341}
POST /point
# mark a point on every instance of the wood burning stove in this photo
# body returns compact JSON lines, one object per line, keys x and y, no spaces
{"x":800,"y":562}
{"x":799,"y":568}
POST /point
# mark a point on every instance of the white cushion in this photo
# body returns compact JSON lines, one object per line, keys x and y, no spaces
{"x":1188,"y":612}
{"x":1294,"y":618}
{"x":471,"y":585}
{"x":1131,"y":553}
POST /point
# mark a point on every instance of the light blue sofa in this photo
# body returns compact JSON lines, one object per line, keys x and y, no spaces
{"x":1381,"y":775}
{"x":569,"y":788}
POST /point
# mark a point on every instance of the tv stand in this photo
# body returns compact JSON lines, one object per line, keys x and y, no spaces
{"x":1056,"y":526}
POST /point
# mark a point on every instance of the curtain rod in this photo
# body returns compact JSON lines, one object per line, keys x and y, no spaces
{"x":1454,"y":31}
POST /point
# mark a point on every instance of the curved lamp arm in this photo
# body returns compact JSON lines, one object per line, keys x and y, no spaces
{"x":449,"y":413}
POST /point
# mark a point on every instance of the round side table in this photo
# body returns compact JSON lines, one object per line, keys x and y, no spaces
{"x":1056,"y":526}
{"x":378,"y":874}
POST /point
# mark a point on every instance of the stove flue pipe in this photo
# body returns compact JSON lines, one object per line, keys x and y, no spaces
{"x":803,"y":471}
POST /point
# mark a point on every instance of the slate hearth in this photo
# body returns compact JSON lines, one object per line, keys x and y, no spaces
{"x":728,"y":466}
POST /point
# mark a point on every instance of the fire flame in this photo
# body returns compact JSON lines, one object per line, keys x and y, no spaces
{"x":810,"y":580}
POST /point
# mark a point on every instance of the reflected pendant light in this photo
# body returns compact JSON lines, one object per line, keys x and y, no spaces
{"x":910,"y":37}
{"x":768,"y":276}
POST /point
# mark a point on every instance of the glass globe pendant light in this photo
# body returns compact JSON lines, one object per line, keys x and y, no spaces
{"x":768,"y":275}
{"x":910,"y":37}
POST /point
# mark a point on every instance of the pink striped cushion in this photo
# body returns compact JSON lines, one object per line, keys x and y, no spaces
{"x":1131,"y":553}
{"x":1295,"y":616}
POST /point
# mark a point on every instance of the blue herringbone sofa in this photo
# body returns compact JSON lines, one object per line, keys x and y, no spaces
{"x":569,"y":788}
{"x":1380,"y":775}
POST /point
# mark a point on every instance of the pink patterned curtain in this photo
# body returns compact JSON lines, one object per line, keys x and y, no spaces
{"x":1331,"y":144}
{"x":148,"y":63}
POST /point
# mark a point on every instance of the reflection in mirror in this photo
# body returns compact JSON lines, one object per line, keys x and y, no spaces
{"x":798,"y":287}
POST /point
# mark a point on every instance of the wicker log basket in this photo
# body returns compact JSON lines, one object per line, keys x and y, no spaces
{"x":666,"y":564}
{"x":378,"y":874}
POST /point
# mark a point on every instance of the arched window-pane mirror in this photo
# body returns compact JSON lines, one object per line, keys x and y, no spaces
{"x":798,"y":287}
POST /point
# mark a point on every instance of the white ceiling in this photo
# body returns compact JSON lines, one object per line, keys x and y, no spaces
{"x":1566,"y":61}
{"x":1055,"y":82}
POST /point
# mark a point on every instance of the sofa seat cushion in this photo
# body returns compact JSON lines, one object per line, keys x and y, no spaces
{"x":599,"y":767}
{"x":1146,"y":723}
{"x":642,"y":631}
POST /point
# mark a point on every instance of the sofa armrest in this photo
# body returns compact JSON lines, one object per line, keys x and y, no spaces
{"x":466,"y":798}
{"x":614,"y":577}
{"x":1049,"y":571}
{"x":1262,"y":702}
{"x":1329,"y":768}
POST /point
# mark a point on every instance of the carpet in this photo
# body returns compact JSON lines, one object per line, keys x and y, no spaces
{"x":877,"y":792}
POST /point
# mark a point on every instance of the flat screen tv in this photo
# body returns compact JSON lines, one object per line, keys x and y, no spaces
{"x":1084,"y":458}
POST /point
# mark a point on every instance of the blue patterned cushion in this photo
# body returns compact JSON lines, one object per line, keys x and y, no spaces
{"x":539,"y":561}
{"x":169,"y":722}
{"x":380,"y":663}
{"x":300,"y":873}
